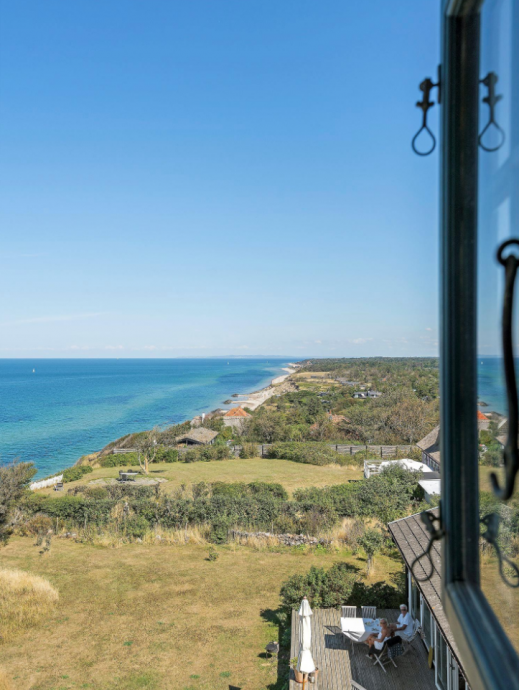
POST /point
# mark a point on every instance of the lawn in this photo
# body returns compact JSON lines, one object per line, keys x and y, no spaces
{"x":292,"y":475}
{"x":158,"y":617}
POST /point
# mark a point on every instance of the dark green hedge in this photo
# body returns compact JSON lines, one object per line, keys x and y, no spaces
{"x":311,"y":453}
{"x":338,"y":586}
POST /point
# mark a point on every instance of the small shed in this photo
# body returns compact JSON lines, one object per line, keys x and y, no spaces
{"x":199,"y":436}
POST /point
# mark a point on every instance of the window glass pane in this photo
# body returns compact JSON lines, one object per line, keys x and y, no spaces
{"x":498,"y":209}
{"x":427,"y":625}
{"x":441,"y":661}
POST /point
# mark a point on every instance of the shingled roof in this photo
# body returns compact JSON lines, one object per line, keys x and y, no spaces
{"x":237,"y":412}
{"x":412,"y":540}
{"x":430,"y":444}
{"x":198,"y":435}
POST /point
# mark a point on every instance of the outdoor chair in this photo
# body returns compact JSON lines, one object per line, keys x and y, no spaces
{"x":409,"y":639}
{"x":382,"y":658}
{"x":349,"y":611}
{"x":369,"y":612}
{"x":58,"y":486}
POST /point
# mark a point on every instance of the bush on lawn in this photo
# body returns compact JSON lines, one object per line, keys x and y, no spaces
{"x":136,"y":526}
{"x":72,"y":474}
{"x":120,"y":460}
{"x":324,"y":589}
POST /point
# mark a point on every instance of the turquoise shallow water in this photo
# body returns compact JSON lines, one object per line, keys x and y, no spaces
{"x":67,"y":408}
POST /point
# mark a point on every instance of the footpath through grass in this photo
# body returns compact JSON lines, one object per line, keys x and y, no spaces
{"x":157,"y":617}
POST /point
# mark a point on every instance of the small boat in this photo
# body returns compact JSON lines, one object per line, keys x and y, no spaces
{"x":34,"y":371}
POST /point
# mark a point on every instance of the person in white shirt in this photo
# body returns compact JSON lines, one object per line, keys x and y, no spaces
{"x":405,"y":622}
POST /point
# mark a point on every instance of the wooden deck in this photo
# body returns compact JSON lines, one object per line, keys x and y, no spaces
{"x":338,"y":666}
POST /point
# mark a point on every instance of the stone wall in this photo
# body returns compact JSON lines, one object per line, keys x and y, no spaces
{"x":286,"y":539}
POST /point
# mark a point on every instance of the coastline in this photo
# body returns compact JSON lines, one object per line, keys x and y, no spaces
{"x":68,"y":409}
{"x":254,"y":400}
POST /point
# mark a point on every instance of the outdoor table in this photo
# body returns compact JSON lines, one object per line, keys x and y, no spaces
{"x":359,"y":629}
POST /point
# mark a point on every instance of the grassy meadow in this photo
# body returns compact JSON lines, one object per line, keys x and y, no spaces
{"x":157,"y":617}
{"x":291,"y":475}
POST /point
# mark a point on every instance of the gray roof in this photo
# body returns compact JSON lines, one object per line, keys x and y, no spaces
{"x":412,"y":540}
{"x":430,"y":444}
{"x":198,"y":435}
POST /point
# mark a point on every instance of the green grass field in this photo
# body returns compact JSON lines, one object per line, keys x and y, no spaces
{"x":157,"y":617}
{"x":292,"y":475}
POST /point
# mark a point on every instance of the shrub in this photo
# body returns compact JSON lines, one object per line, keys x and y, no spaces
{"x":98,"y":492}
{"x":219,"y":530}
{"x":379,"y":594}
{"x":72,"y":474}
{"x":136,"y":526}
{"x":248,"y":450}
{"x":386,"y":496}
{"x":119,"y":460}
{"x":268,"y":488}
{"x":14,"y":481}
{"x":371,"y":541}
{"x":25,"y":601}
{"x":38,"y":524}
{"x":308,"y":453}
{"x":168,"y":455}
{"x":324,"y":589}
{"x":213,"y":554}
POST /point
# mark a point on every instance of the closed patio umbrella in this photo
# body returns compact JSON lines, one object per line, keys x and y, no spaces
{"x":305,"y":662}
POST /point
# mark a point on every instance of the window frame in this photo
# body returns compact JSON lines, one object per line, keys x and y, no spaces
{"x":489,"y":658}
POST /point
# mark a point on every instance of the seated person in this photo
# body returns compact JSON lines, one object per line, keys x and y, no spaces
{"x":405,"y":622}
{"x":376,"y":642}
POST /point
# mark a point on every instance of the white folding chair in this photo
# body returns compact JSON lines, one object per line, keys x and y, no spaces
{"x":349,"y":611}
{"x":409,"y":639}
{"x":369,"y":612}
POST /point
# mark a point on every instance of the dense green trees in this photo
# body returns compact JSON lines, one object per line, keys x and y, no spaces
{"x":405,"y":412}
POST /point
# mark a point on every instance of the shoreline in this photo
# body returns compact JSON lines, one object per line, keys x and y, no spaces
{"x":257,"y":398}
{"x":253,"y":401}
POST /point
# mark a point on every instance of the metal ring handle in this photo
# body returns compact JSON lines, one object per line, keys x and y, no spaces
{"x":413,"y":145}
{"x":511,"y":451}
{"x":501,"y":132}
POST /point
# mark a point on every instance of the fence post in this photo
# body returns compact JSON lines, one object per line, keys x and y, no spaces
{"x":381,"y":455}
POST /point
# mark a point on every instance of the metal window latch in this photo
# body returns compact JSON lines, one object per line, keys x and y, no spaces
{"x":511,"y":451}
{"x":425,"y":104}
{"x":491,"y":99}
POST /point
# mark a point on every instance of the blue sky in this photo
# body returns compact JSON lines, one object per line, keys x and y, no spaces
{"x":195,"y":178}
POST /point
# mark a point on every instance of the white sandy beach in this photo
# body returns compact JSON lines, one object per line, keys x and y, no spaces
{"x":254,"y":400}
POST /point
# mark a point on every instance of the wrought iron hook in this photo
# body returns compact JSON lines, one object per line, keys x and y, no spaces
{"x":511,"y":451}
{"x":429,"y":520}
{"x":491,"y":522}
{"x":425,"y":104}
{"x":491,"y":99}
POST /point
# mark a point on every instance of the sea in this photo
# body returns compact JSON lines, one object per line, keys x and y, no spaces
{"x":53,"y":411}
{"x":56,"y":410}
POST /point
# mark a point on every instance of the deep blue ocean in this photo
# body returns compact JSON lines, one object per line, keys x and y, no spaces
{"x":69,"y":407}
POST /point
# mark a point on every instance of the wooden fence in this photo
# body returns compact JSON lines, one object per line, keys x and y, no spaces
{"x":380,"y":451}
